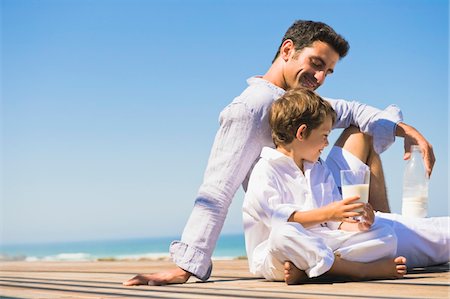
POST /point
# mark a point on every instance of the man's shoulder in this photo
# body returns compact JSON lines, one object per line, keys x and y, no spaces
{"x":259,"y":94}
{"x":254,"y":102}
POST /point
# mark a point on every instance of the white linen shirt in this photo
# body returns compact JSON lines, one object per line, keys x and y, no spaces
{"x":277,"y":188}
{"x":244,"y":130}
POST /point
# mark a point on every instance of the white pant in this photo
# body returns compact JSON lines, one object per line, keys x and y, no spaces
{"x":313,"y":250}
{"x":423,"y":241}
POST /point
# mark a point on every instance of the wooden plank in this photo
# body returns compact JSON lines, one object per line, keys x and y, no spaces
{"x":230,"y":279}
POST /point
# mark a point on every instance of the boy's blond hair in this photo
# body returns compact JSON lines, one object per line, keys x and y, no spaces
{"x":296,"y":107}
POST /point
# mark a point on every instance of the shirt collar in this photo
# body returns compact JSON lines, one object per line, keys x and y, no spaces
{"x":271,"y":154}
{"x":259,"y":80}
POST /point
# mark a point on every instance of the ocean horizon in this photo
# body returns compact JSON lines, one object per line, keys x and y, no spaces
{"x":229,"y":246}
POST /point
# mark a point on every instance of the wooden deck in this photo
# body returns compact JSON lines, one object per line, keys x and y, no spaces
{"x":230,"y":279}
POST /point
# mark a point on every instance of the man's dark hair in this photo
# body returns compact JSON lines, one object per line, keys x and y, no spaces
{"x":304,"y":33}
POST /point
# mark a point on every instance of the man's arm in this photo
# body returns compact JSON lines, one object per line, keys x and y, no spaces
{"x":380,"y":124}
{"x":383,"y":126}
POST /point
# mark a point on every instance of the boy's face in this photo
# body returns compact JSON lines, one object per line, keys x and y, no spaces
{"x":310,"y":66}
{"x":317,"y":140}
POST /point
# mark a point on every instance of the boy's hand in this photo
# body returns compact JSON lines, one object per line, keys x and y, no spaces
{"x":368,"y":218}
{"x":344,"y":210}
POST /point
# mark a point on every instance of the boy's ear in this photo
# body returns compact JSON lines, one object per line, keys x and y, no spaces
{"x":301,"y":132}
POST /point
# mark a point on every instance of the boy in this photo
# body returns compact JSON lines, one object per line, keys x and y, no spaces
{"x":296,"y":225}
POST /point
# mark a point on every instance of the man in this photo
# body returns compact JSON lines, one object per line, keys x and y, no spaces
{"x":308,"y":53}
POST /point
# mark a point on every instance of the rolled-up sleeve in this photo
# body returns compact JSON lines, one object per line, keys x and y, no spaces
{"x":380,"y":124}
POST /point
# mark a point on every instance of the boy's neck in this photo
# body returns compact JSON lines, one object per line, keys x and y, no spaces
{"x":287,"y":150}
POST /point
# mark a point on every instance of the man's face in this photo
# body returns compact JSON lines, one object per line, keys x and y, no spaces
{"x":309,"y":66}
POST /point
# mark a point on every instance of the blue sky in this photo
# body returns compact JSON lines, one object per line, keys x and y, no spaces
{"x":109,"y":108}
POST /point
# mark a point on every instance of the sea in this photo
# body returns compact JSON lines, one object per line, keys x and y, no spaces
{"x":229,"y":246}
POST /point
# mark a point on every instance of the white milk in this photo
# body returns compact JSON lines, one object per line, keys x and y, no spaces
{"x":415,"y":206}
{"x":354,"y":190}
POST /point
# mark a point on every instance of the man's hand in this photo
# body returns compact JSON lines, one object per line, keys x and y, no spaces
{"x":173,"y":276}
{"x":413,"y":137}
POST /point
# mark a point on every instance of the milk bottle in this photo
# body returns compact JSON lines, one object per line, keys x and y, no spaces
{"x":415,"y":186}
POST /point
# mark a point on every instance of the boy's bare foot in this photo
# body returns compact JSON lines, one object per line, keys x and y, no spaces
{"x":174,"y":276}
{"x":293,"y":275}
{"x":400,"y":261}
{"x":386,"y":269}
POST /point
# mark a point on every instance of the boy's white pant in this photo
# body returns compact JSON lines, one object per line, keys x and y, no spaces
{"x":313,"y":250}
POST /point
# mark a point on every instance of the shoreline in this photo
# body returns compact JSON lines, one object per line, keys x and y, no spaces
{"x":161,"y":258}
{"x":229,"y":246}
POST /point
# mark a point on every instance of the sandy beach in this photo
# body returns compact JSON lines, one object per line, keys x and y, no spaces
{"x":230,"y":279}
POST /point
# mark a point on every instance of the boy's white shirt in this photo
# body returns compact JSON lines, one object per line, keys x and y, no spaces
{"x":277,"y":188}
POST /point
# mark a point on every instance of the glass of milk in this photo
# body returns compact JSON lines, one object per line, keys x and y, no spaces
{"x":356,"y":183}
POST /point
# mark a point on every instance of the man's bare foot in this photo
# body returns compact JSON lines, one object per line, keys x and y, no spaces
{"x":174,"y":276}
{"x":293,"y":275}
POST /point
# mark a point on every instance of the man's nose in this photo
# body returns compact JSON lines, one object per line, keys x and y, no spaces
{"x":320,"y":77}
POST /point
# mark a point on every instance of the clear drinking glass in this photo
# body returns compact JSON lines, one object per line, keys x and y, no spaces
{"x":356,"y":183}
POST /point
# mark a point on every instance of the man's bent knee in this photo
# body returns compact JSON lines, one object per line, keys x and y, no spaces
{"x":356,"y":142}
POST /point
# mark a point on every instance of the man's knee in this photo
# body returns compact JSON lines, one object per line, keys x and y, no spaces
{"x":356,"y":142}
{"x":352,"y":134}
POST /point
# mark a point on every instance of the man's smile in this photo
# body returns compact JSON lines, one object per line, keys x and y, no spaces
{"x":308,"y":81}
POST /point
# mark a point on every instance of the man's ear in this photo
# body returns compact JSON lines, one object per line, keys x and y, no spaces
{"x":286,"y":49}
{"x":301,"y":132}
